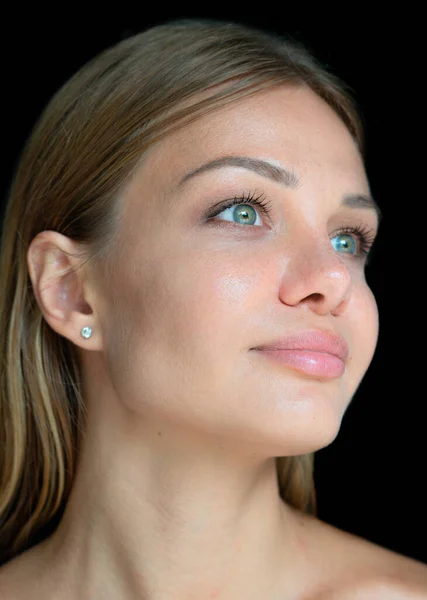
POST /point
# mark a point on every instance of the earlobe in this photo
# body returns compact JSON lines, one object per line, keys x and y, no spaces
{"x":59,"y":286}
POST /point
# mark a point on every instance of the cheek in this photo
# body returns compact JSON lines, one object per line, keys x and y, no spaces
{"x":209,"y":300}
{"x":178,"y":321}
{"x":365,"y":325}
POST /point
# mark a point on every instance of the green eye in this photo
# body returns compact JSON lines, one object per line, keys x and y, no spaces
{"x":244,"y":208}
{"x":245,"y":213}
{"x":344,"y":243}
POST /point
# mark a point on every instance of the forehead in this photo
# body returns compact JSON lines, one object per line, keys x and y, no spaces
{"x":287,"y":124}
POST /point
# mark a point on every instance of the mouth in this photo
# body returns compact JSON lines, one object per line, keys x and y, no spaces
{"x":317,"y":364}
{"x":314,"y":352}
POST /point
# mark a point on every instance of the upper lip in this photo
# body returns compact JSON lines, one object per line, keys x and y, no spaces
{"x":315,"y":340}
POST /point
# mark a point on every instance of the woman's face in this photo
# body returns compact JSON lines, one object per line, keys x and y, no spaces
{"x":194,"y":293}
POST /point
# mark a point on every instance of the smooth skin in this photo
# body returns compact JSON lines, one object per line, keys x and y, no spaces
{"x":176,"y":494}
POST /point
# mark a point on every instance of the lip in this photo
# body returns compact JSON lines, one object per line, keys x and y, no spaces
{"x":315,"y":352}
{"x":312,"y":340}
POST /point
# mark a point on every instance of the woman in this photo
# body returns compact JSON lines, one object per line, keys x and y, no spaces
{"x":193,"y":199}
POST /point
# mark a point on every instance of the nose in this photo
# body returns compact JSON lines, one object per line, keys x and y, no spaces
{"x":316,"y":276}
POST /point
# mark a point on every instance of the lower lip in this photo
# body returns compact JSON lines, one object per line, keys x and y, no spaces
{"x":317,"y":364}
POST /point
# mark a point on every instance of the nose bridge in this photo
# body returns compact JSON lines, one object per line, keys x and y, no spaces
{"x":315,"y":272}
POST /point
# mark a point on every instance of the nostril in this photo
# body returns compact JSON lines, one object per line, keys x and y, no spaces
{"x":316,"y":296}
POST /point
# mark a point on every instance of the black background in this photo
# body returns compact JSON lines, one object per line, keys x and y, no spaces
{"x":370,"y":480}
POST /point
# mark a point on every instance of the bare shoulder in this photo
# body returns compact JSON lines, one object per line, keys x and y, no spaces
{"x":21,"y":572}
{"x":373,"y":590}
{"x":12,"y":576}
{"x":353,"y":568}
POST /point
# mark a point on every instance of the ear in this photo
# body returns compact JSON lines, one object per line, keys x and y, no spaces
{"x":64,"y":291}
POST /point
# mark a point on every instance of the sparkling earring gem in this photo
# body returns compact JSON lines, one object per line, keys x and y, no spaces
{"x":86,"y":332}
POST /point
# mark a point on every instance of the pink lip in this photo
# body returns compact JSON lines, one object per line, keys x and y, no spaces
{"x":315,"y":352}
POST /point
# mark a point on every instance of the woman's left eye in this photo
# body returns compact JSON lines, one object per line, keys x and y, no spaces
{"x":356,"y":241}
{"x":344,"y":242}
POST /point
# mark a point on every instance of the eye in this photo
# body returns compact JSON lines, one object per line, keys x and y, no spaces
{"x":356,"y":241}
{"x":242,"y":209}
{"x":345,"y":243}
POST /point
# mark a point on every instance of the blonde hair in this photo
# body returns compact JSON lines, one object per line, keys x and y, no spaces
{"x":73,"y":168}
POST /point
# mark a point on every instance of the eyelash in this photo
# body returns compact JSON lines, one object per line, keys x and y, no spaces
{"x":365,"y":235}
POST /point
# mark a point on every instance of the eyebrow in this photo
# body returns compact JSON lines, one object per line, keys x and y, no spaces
{"x":278,"y":174}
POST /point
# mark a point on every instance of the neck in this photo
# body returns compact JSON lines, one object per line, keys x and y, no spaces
{"x":159,"y":513}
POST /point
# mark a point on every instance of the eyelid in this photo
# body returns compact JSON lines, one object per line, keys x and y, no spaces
{"x":251,"y":198}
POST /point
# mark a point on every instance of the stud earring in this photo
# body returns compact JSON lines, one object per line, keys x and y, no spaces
{"x":86,"y":332}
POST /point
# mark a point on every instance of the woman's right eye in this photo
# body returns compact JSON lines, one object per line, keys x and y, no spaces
{"x":243,"y":209}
